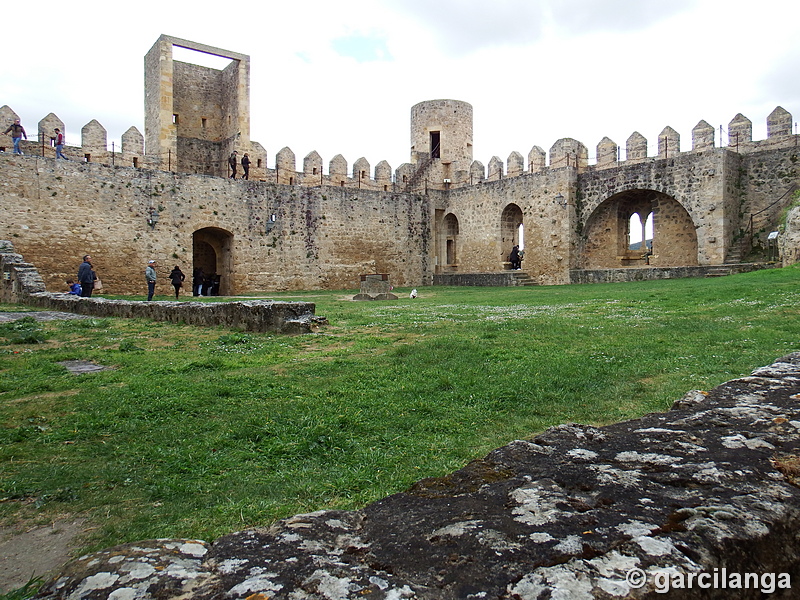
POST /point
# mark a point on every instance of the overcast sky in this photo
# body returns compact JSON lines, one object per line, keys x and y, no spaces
{"x":340,"y":77}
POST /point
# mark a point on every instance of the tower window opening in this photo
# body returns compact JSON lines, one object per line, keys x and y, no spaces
{"x":363,"y":174}
{"x":203,"y":123}
{"x":435,"y":144}
{"x":87,"y":157}
{"x":174,"y":119}
{"x":135,"y":161}
{"x":314,"y":171}
{"x":259,"y":163}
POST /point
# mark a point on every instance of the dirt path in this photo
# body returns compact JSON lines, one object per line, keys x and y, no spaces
{"x":35,"y":551}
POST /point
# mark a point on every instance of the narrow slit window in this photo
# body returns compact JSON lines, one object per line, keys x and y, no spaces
{"x":203,"y":123}
{"x":174,"y":119}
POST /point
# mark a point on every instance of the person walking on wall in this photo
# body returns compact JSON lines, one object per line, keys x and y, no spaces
{"x":86,"y":277}
{"x":176,"y":276}
{"x":150,"y":277}
{"x":246,"y":166}
{"x":232,"y":163}
{"x":17,"y":133}
{"x":59,"y":141}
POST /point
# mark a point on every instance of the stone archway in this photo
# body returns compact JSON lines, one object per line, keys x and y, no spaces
{"x":511,"y":226}
{"x":212,"y":251}
{"x":606,"y":236}
{"x":451,"y":241}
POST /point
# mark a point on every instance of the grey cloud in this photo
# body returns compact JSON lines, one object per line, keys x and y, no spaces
{"x":464,"y":26}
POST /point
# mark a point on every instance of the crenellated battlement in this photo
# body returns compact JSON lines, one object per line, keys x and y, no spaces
{"x":195,"y":117}
{"x":565,"y":152}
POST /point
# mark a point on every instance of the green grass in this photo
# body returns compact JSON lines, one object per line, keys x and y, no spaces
{"x":198,"y":432}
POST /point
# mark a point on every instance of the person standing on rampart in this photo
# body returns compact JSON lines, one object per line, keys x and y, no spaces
{"x":17,"y":133}
{"x":246,"y":166}
{"x":59,"y":142}
{"x":150,"y":277}
{"x":232,"y":163}
{"x":86,"y":277}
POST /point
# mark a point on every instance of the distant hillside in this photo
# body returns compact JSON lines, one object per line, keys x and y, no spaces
{"x":638,"y":245}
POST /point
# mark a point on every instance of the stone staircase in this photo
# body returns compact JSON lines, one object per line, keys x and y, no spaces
{"x":522,"y":278}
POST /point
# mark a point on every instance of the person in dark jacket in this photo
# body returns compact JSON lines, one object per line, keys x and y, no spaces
{"x":514,"y":258}
{"x":176,"y":276}
{"x":246,"y":166}
{"x":17,"y":133}
{"x":197,"y":281}
{"x":232,"y":162}
{"x":86,"y":277}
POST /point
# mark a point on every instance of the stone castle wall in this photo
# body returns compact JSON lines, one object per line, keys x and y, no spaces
{"x":57,"y":211}
{"x":443,"y":212}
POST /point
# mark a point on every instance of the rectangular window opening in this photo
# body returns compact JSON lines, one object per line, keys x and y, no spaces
{"x":174,"y":119}
{"x":203,"y":123}
{"x":136,"y":161}
{"x":87,"y":157}
{"x":435,"y":144}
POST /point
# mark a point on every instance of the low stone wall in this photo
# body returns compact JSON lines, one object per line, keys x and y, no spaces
{"x":499,"y":279}
{"x":22,"y":284}
{"x":263,"y":316}
{"x":647,"y":273}
{"x":701,"y":502}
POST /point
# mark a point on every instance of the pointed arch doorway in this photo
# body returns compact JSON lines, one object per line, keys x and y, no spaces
{"x":212,"y":252}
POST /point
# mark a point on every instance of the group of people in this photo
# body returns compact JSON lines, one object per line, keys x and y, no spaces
{"x":88,"y":280}
{"x":233,"y":161}
{"x":17,"y":132}
{"x":176,"y":278}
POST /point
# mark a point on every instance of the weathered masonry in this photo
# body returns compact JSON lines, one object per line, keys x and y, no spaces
{"x":441,"y":216}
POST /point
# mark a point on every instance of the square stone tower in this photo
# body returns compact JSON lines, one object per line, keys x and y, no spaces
{"x":195,"y":116}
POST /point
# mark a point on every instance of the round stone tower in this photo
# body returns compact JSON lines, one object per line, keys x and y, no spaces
{"x":441,"y":130}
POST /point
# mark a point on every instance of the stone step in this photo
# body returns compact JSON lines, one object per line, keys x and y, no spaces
{"x":523,"y":278}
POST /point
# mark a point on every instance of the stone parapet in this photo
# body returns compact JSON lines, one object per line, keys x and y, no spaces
{"x":21,"y":283}
{"x":703,"y":499}
{"x":648,"y":273}
{"x":261,"y":316}
{"x":499,"y":279}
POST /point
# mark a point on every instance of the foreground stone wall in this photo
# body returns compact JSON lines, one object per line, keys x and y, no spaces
{"x":22,"y":284}
{"x":701,"y":500}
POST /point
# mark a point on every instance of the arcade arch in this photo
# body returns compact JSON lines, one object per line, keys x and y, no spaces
{"x":606,"y":240}
{"x":212,"y":251}
{"x":512,"y":232}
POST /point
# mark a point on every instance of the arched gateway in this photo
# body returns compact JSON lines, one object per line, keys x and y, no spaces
{"x":212,"y":251}
{"x":606,"y":239}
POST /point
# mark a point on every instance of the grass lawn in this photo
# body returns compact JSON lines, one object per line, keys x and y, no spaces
{"x":198,"y":432}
